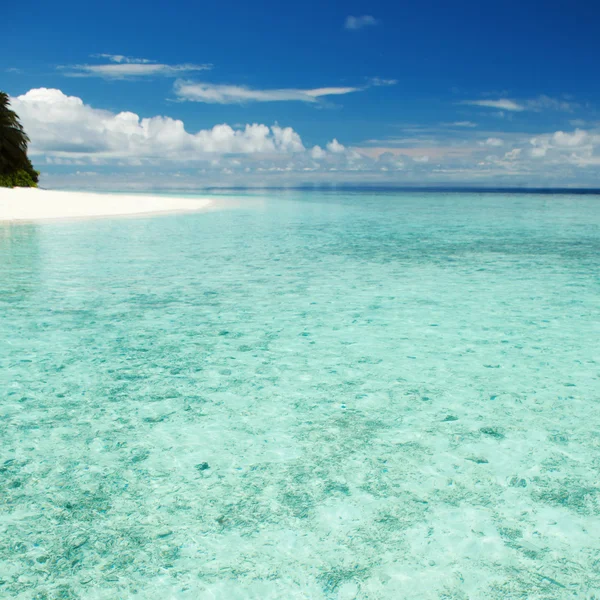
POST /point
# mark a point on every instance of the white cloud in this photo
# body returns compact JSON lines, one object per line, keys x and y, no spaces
{"x":513,"y":154}
{"x":119,"y":58}
{"x":568,"y":140}
{"x":502,"y":104}
{"x":538,"y":104}
{"x":547,"y":103}
{"x":354,"y":23}
{"x":492,"y":141}
{"x":67,"y":132}
{"x":378,"y":81}
{"x":538,"y":151}
{"x":317,"y":153}
{"x":468,"y":124}
{"x":125,"y":67}
{"x":335,"y":147}
{"x":578,"y":146}
{"x":211,"y":93}
{"x":61,"y":125}
{"x":237,"y":94}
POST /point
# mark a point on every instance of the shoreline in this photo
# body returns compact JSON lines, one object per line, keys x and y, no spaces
{"x":35,"y":204}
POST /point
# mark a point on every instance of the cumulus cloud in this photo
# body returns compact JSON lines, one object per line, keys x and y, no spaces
{"x":493,"y":141}
{"x":317,"y":153}
{"x":354,"y":23}
{"x":65,"y":131}
{"x":236,"y":94}
{"x":568,"y":140}
{"x":335,"y":147}
{"x":513,"y":154}
{"x":62,"y":125}
{"x":125,"y":67}
{"x":579,"y":144}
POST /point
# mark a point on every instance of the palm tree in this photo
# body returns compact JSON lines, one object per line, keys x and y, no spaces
{"x":13,"y":139}
{"x":14,"y":162}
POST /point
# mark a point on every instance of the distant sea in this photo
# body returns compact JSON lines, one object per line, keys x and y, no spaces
{"x":344,"y":394}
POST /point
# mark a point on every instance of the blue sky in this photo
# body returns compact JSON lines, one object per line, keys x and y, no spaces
{"x":136,"y":94}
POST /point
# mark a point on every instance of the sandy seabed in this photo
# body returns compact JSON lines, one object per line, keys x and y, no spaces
{"x":32,"y":204}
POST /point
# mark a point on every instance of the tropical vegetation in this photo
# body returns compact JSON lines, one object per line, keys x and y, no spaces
{"x":16,"y":169}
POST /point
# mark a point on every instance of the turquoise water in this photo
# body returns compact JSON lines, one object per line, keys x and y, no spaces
{"x":325,"y":396}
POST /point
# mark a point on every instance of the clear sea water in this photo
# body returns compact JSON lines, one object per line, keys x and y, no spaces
{"x":304,"y":395}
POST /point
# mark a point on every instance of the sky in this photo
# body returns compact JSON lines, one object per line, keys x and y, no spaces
{"x":183,"y":95}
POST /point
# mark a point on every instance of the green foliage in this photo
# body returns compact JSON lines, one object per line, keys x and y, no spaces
{"x":15,"y":167}
{"x":20,"y":178}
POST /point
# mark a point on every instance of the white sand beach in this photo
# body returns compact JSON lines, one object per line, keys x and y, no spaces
{"x":32,"y":204}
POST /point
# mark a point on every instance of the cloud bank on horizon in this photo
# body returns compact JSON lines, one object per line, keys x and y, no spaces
{"x":67,"y":133}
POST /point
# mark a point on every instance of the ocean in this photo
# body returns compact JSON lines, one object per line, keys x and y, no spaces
{"x":304,"y":394}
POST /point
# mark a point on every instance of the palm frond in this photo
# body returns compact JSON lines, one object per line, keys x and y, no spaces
{"x":13,"y":139}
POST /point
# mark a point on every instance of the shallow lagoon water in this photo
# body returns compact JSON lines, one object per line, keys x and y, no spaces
{"x":324,"y":396}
